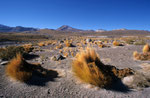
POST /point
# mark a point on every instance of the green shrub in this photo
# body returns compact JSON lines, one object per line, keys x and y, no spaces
{"x":10,"y":52}
{"x":140,"y":42}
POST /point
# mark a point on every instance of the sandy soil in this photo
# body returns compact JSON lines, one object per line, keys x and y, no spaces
{"x":66,"y":85}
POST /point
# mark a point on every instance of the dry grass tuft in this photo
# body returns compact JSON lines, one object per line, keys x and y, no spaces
{"x":10,"y":52}
{"x":28,"y":47}
{"x":89,"y":69}
{"x":135,"y":54}
{"x":68,"y":44}
{"x":59,"y":47}
{"x":143,"y":56}
{"x":115,"y":43}
{"x":66,"y":54}
{"x":18,"y":69}
{"x":41,"y":44}
{"x":146,"y":48}
{"x":102,"y":45}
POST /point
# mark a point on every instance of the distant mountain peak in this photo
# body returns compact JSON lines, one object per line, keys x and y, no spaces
{"x":65,"y":27}
{"x":121,"y":29}
{"x":68,"y":28}
{"x":100,"y":30}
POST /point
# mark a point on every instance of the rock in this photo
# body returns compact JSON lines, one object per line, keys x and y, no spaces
{"x":57,"y":57}
{"x":0,"y":60}
{"x":88,"y":40}
{"x":4,"y":62}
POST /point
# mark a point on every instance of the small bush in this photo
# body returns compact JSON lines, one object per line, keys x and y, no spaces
{"x":41,"y":44}
{"x":18,"y":69}
{"x":28,"y":48}
{"x":10,"y":52}
{"x":140,"y":42}
{"x":146,"y":48}
{"x":129,"y":41}
{"x":143,"y":56}
{"x":89,"y":69}
{"x":66,"y":54}
{"x":115,"y":43}
{"x":68,"y":44}
{"x":59,"y":47}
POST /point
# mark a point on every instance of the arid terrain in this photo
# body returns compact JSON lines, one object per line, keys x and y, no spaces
{"x":57,"y":52}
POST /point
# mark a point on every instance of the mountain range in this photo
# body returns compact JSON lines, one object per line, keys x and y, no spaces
{"x":4,"y":28}
{"x":64,"y":28}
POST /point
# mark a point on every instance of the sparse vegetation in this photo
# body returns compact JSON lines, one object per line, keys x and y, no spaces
{"x":21,"y":37}
{"x":41,"y":44}
{"x":139,"y":42}
{"x":28,"y":48}
{"x":59,"y":46}
{"x":146,"y":48}
{"x":142,"y":56}
{"x":89,"y":69}
{"x":19,"y":69}
{"x":116,"y":43}
{"x":68,"y":44}
{"x":11,"y":51}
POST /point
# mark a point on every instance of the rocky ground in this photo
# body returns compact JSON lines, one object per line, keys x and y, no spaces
{"x":66,"y":85}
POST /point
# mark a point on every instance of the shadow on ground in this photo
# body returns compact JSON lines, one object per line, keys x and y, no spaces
{"x":40,"y":76}
{"x":30,"y":56}
{"x":118,"y":86}
{"x":116,"y":75}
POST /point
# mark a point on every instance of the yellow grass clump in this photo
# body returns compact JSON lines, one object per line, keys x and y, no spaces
{"x":28,"y":47}
{"x":143,"y":56}
{"x":19,"y":69}
{"x":115,"y":43}
{"x":65,"y":54}
{"x":135,"y":54}
{"x":59,"y":47}
{"x":41,"y":44}
{"x":68,"y":44}
{"x":87,"y":68}
{"x":101,"y":46}
{"x":60,"y":51}
{"x":146,"y":48}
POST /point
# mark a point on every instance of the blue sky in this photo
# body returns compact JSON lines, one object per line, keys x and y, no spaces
{"x":82,"y":14}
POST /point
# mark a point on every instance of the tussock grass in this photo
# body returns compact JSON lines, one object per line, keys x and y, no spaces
{"x":59,"y":47}
{"x":10,"y":52}
{"x":19,"y":69}
{"x":89,"y":69}
{"x":143,"y":56}
{"x":68,"y":44}
{"x":115,"y":43}
{"x":41,"y":44}
{"x":146,"y":48}
{"x":139,"y":42}
{"x":28,"y":47}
